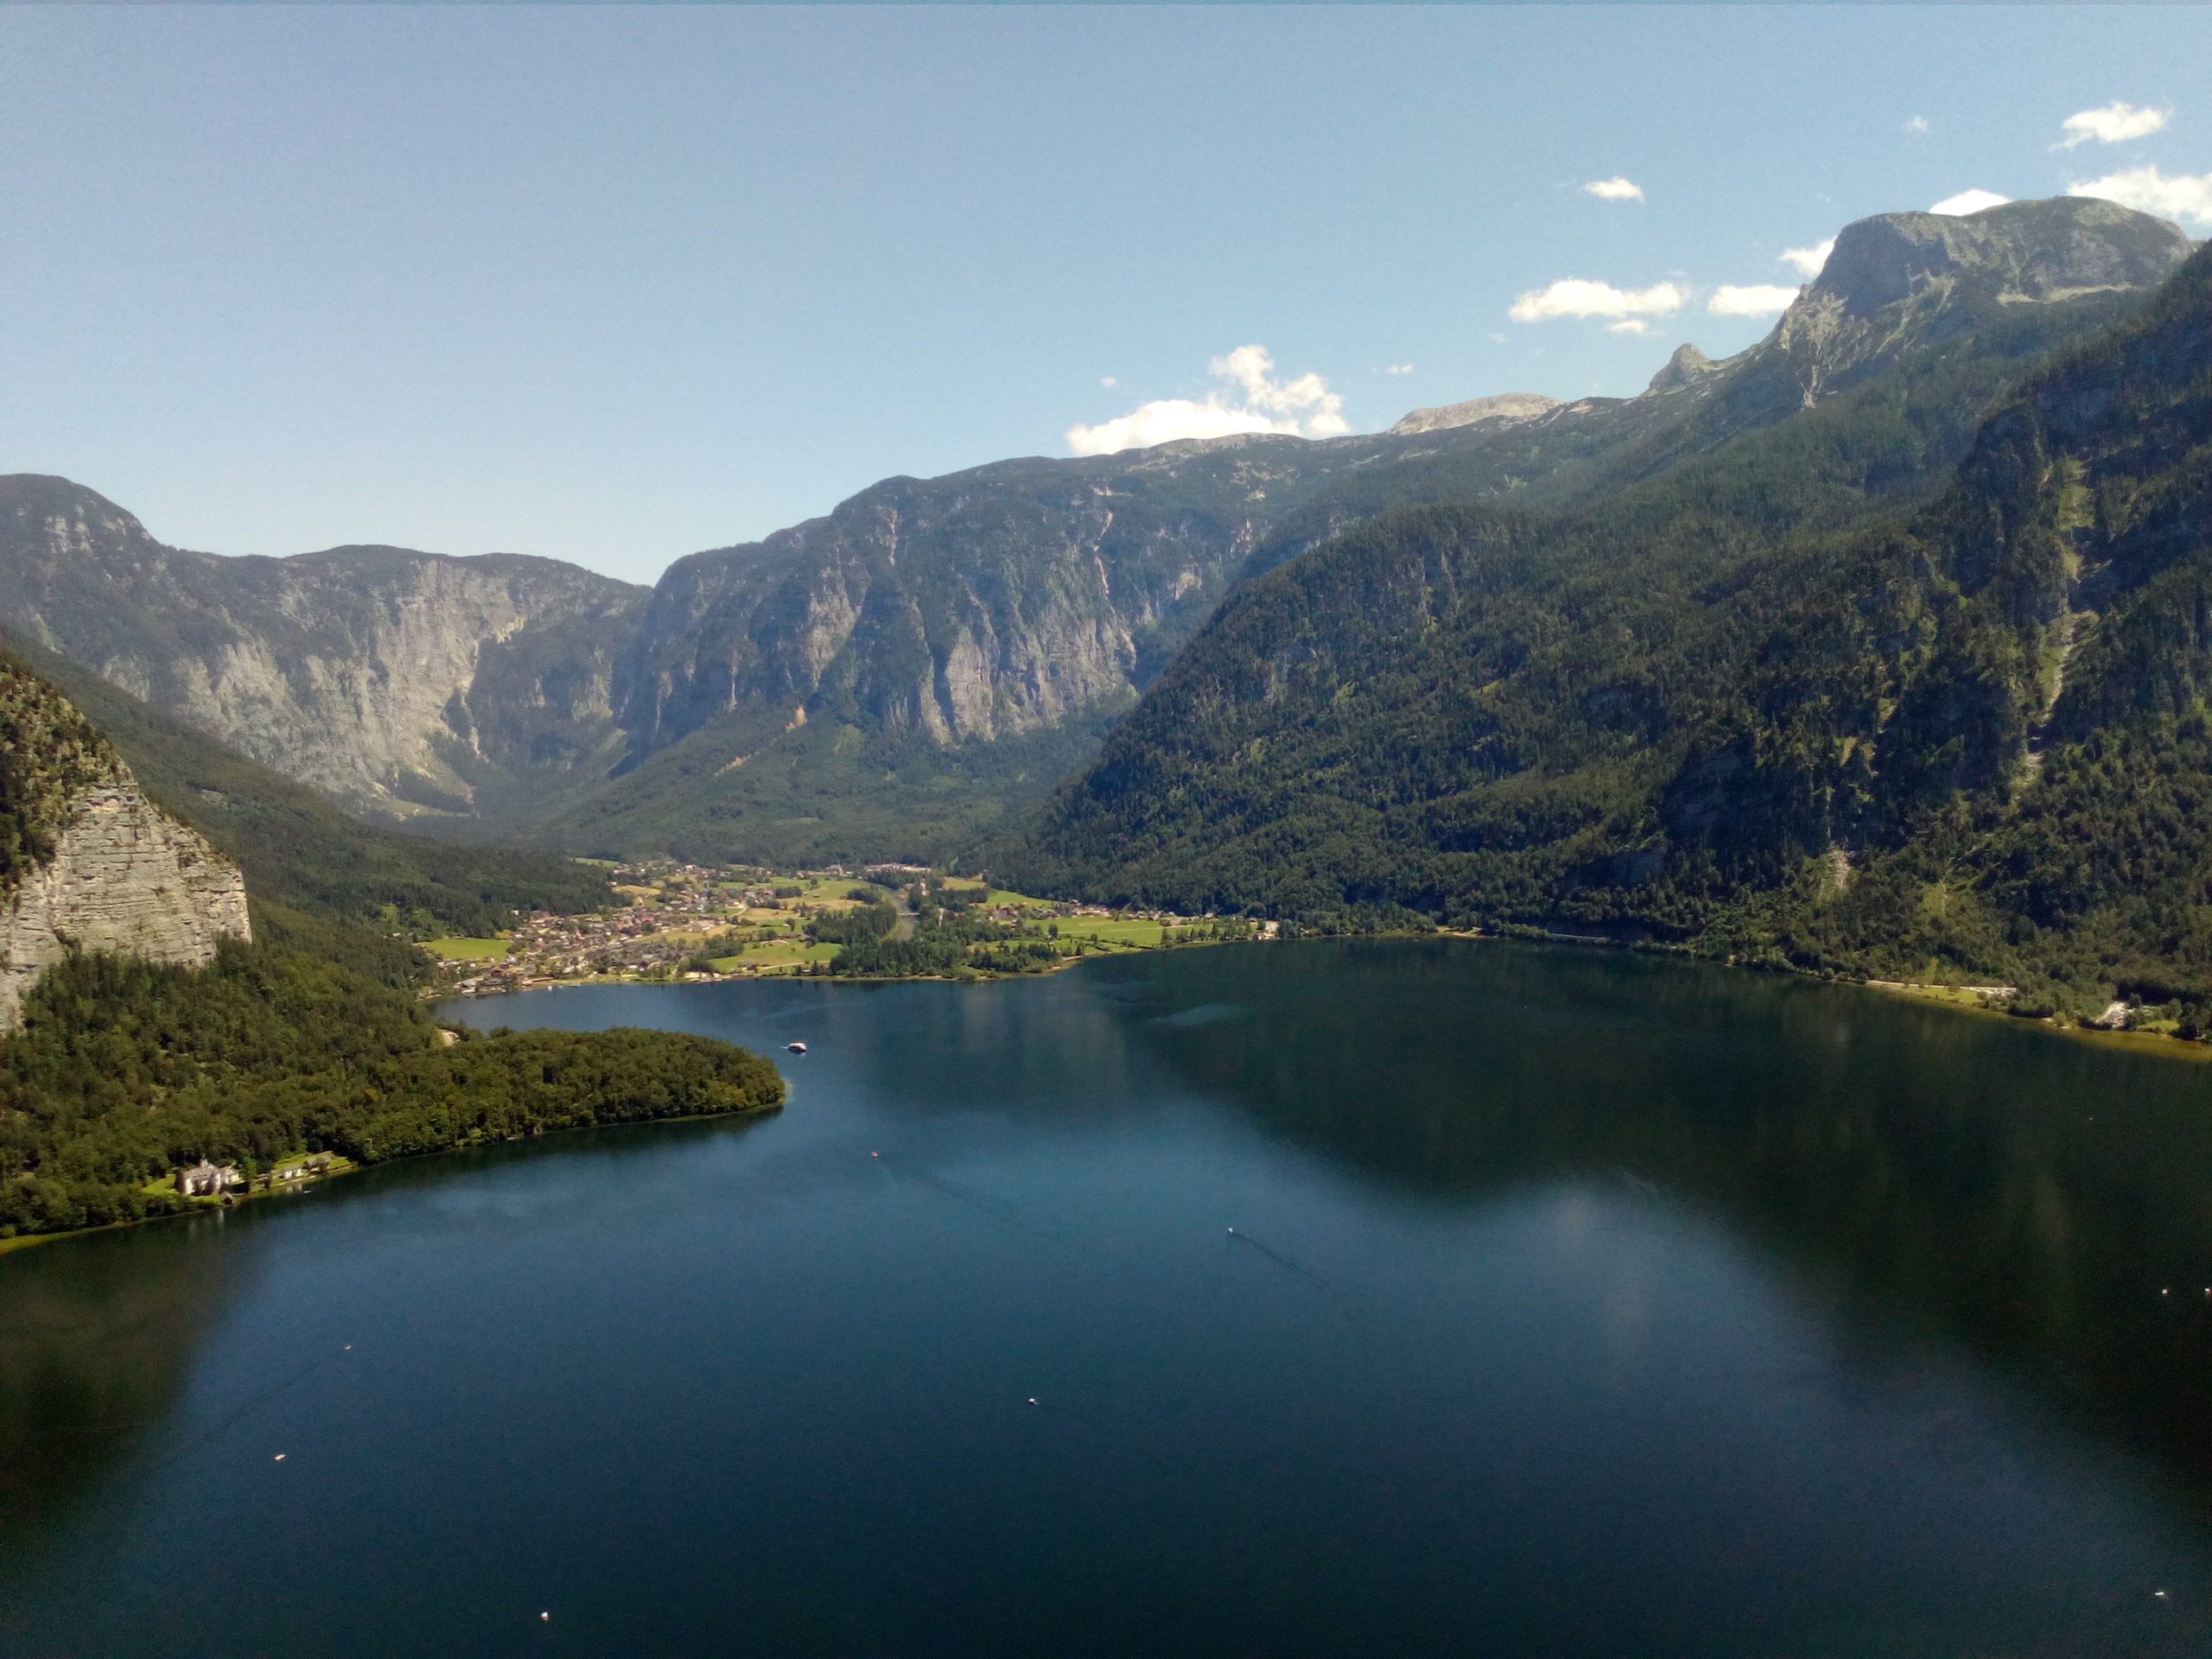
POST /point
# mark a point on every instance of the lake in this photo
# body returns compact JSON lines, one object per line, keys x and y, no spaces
{"x":1337,"y":1298}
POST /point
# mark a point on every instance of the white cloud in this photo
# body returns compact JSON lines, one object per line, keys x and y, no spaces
{"x":1968,"y":201}
{"x":1807,"y":262}
{"x":1629,"y":325}
{"x":1915,"y":126}
{"x":2150,"y":191}
{"x":1613,"y":189}
{"x":2112,"y":124}
{"x":1752,"y":300}
{"x":1106,"y":380}
{"x":1576,"y":297}
{"x":1303,"y":407}
{"x":1397,"y":368}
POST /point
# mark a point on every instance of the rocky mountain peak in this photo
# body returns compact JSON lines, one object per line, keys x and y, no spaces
{"x":1505,"y":406}
{"x":2044,"y":250}
{"x":1686,"y":365}
{"x":1898,"y":282}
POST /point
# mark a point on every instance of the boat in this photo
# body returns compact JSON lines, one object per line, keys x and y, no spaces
{"x":796,"y":1048}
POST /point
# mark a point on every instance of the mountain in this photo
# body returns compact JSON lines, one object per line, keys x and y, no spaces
{"x":1762,"y":702}
{"x":87,"y":862}
{"x":298,"y":849}
{"x":1506,"y":406}
{"x":890,"y":679}
{"x":394,"y":681}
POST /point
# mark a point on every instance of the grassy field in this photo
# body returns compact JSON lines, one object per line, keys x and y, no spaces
{"x":1112,"y":929}
{"x":777,"y":953}
{"x":465,"y":950}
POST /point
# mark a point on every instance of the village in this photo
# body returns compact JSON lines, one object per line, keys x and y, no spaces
{"x":698,"y":922}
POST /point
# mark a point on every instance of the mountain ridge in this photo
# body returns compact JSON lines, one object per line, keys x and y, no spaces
{"x":949,"y":633}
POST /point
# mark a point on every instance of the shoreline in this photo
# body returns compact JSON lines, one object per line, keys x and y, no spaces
{"x":1959,"y":999}
{"x":1956,"y":999}
{"x":294,"y":1189}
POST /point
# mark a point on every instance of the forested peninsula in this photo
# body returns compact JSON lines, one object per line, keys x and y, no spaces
{"x":310,"y":1037}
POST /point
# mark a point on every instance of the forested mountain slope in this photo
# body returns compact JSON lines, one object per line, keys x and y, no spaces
{"x":1727,"y":706}
{"x":934,"y":651}
{"x":886,"y":680}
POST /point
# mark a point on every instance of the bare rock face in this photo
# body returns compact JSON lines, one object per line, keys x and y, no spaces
{"x":1504,"y":407}
{"x":968,"y":609}
{"x":1686,"y":368}
{"x":393,"y":680}
{"x":122,"y":875}
{"x":1898,"y":281}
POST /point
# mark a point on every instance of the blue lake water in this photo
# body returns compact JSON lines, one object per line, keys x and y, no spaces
{"x":1394,"y":1297}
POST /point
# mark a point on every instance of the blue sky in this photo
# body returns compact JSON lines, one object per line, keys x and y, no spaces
{"x":613,"y":285}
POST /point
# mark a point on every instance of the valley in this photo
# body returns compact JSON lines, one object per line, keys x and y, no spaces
{"x":1103,"y":831}
{"x":693,"y":923}
{"x":1874,"y":651}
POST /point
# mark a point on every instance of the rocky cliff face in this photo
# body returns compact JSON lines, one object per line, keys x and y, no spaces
{"x":90,"y":863}
{"x":392,"y":679}
{"x":964,"y":609}
{"x":1899,"y":281}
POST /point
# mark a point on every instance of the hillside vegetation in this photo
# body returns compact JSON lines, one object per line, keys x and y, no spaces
{"x":126,"y":1071}
{"x":1750,"y":705}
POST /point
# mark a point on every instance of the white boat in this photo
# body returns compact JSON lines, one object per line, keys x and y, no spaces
{"x":796,"y":1048}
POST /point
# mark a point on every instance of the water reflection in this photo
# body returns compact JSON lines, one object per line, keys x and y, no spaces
{"x":96,"y":1347}
{"x":2045,"y":1202}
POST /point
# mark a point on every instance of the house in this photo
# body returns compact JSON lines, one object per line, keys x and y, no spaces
{"x":206,"y":1180}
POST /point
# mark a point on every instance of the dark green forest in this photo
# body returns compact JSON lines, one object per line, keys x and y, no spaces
{"x":1782,"y":704}
{"x":124,"y":1070}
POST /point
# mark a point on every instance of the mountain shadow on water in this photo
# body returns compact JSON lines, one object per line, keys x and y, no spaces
{"x":2037,"y":1200}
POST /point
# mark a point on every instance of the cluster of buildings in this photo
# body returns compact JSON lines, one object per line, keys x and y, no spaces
{"x":211,"y":1180}
{"x":676,"y":907}
{"x":688,"y":902}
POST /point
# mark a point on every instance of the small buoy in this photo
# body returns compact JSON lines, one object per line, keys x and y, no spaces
{"x":2160,"y":1594}
{"x":548,"y":1618}
{"x":279,"y":1458}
